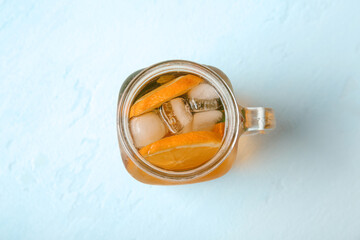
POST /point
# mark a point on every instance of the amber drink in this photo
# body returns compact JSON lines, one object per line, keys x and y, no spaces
{"x":178,"y":122}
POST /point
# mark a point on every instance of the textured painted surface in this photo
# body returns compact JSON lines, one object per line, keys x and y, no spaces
{"x":63,"y":62}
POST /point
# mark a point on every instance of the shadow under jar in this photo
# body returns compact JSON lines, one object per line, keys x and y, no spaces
{"x":237,"y":120}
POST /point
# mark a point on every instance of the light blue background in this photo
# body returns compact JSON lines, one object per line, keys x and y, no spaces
{"x":63,"y":62}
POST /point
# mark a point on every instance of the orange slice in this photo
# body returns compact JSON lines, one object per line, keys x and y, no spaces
{"x":164,"y":93}
{"x":182,"y":152}
{"x":219,"y":128}
{"x":166,"y":78}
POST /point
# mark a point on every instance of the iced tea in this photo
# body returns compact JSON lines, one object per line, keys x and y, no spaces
{"x":177,"y":121}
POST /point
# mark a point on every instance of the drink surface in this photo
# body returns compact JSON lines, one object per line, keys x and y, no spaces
{"x":177,"y":121}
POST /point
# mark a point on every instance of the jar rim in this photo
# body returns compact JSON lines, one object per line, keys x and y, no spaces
{"x":126,"y":98}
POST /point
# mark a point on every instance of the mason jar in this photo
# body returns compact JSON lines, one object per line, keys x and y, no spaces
{"x":239,"y":121}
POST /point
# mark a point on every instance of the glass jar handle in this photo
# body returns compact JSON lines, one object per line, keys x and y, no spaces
{"x":258,"y":119}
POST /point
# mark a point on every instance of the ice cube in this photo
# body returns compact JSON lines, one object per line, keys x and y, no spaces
{"x":204,"y":97}
{"x":203,"y":91}
{"x":176,"y":114}
{"x":205,"y":121}
{"x":187,"y":128}
{"x":201,"y":105}
{"x":146,"y":129}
